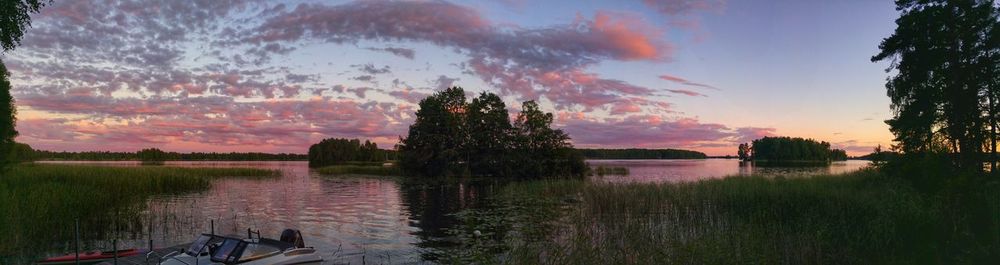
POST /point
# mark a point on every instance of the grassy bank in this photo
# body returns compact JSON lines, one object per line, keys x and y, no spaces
{"x":859,"y":218}
{"x":40,"y":201}
{"x":361,"y":169}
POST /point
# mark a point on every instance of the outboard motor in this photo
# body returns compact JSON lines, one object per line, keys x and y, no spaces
{"x":294,"y":237}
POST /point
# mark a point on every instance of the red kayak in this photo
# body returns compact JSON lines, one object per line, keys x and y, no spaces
{"x":90,"y":257}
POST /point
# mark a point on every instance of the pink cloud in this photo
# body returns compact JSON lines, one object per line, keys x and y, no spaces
{"x":232,"y":97}
{"x":288,"y":125}
{"x":685,"y":81}
{"x":748,"y":134}
{"x":527,"y":63}
{"x":683,"y":7}
{"x":686,"y":92}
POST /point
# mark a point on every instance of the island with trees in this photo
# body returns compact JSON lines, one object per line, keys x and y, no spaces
{"x":790,"y":150}
{"x":337,"y":151}
{"x":453,"y":137}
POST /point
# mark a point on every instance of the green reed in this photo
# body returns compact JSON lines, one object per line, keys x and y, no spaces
{"x":41,"y":201}
{"x":603,"y":170}
{"x":360,"y":169}
{"x":857,"y":218}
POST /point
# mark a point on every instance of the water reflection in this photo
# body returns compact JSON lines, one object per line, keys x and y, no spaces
{"x":360,"y":219}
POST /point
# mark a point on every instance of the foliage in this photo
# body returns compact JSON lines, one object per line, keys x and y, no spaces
{"x":433,"y":146}
{"x":539,"y":150}
{"x":377,"y":170}
{"x":778,"y":149}
{"x":636,"y":153}
{"x":152,"y":155}
{"x":8,"y":118}
{"x":946,"y":87}
{"x":453,"y":138}
{"x":489,"y":133}
{"x":334,"y":151}
{"x":16,"y":16}
{"x":20,"y":152}
{"x":744,"y":152}
{"x":40,"y":201}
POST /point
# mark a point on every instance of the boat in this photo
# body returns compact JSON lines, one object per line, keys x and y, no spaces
{"x":90,"y":257}
{"x":214,"y":249}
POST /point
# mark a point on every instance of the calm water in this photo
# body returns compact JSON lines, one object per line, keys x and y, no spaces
{"x":369,"y":219}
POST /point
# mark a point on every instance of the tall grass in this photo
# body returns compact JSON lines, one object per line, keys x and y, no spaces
{"x":40,"y":201}
{"x":603,"y":170}
{"x":362,"y":169}
{"x":858,"y":218}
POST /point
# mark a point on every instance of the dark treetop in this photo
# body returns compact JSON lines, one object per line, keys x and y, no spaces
{"x":451,"y":137}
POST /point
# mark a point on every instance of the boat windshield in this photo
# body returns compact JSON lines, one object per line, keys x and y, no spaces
{"x":258,"y":250}
{"x":199,"y":244}
{"x":230,"y":251}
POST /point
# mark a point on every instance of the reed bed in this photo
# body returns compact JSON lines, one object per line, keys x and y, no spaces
{"x":41,"y":201}
{"x":857,"y":218}
{"x":603,"y":170}
{"x":377,"y":170}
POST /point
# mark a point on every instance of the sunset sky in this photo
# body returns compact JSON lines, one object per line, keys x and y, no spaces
{"x":276,"y":77}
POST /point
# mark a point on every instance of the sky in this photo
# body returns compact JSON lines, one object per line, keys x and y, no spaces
{"x":269,"y":76}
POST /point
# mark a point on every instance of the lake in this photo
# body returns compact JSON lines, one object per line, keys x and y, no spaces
{"x":355,"y":219}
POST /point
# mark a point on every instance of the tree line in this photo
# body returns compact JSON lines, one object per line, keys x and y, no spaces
{"x":788,"y":149}
{"x":453,"y":137}
{"x":153,"y":152}
{"x":637,"y":153}
{"x":334,"y":151}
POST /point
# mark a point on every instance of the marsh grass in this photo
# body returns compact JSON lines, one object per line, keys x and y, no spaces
{"x":361,"y":169}
{"x":857,"y":218}
{"x":603,"y":170}
{"x":41,"y":201}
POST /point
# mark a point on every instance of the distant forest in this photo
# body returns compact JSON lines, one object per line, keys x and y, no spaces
{"x":334,"y":151}
{"x":168,"y":156}
{"x":636,"y":153}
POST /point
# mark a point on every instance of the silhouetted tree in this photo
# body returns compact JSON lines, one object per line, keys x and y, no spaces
{"x":15,"y":17}
{"x":434,"y":144}
{"x":489,"y":130}
{"x":945,"y":54}
{"x":540,"y":150}
{"x":744,"y":151}
{"x":7,"y":117}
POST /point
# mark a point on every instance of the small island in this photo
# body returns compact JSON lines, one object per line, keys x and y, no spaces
{"x":789,"y":151}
